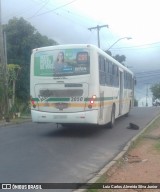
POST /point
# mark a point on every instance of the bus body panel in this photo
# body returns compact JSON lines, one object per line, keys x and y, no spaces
{"x":77,"y":98}
{"x":61,"y":97}
{"x":87,"y":117}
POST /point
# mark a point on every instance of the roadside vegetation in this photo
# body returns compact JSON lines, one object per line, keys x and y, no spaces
{"x":156,"y":90}
{"x":147,"y":145}
{"x":21,"y":38}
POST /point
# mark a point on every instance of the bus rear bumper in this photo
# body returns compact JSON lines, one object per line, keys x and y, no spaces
{"x":90,"y":117}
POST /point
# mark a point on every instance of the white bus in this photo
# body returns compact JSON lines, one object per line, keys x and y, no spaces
{"x":78,"y":83}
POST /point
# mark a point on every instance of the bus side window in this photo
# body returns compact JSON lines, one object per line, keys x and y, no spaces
{"x":113,"y":75}
{"x":110,"y":74}
{"x":125,"y":80}
{"x":116,"y":76}
{"x":107,"y":71}
{"x":101,"y":70}
{"x":130,"y":81}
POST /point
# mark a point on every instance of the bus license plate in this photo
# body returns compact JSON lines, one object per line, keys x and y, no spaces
{"x":61,"y":106}
{"x":60,"y":116}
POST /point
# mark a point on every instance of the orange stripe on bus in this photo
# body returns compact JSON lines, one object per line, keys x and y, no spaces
{"x":95,"y":104}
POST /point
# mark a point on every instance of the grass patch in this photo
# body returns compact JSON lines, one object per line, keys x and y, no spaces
{"x":137,"y":142}
{"x":105,"y":178}
{"x":154,"y":125}
{"x":92,"y":190}
{"x":157,"y":146}
{"x":102,"y":179}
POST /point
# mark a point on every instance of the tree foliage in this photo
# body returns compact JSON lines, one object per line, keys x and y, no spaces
{"x":155,"y":89}
{"x":108,"y":52}
{"x":13,"y":71}
{"x":119,"y":58}
{"x":1,"y":101}
{"x":22,"y":37}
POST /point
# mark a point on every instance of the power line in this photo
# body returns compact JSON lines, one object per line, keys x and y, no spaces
{"x":147,"y":72}
{"x":59,"y":7}
{"x":147,"y":75}
{"x":141,"y":46}
{"x":39,"y":9}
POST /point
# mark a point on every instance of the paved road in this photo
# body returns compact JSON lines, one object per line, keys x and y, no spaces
{"x":32,"y":152}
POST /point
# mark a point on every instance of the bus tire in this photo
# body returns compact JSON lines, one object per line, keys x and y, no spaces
{"x":112,"y":122}
{"x":127,"y":114}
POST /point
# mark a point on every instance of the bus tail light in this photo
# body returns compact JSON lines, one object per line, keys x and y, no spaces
{"x":33,"y":103}
{"x":92,"y":101}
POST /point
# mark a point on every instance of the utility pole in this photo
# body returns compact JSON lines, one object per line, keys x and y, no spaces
{"x":98,"y":29}
{"x":3,"y":69}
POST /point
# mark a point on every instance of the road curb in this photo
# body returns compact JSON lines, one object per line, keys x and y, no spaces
{"x":118,"y":156}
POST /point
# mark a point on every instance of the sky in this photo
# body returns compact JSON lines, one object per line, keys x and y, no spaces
{"x":67,"y":21}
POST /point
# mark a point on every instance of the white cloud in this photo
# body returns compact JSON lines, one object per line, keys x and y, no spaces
{"x":138,"y":19}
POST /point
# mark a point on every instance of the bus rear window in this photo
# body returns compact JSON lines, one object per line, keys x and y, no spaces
{"x":65,"y":62}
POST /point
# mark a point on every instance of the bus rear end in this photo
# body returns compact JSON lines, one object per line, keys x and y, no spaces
{"x":60,"y":79}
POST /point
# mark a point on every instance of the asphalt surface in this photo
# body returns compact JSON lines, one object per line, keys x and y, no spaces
{"x":45,"y":153}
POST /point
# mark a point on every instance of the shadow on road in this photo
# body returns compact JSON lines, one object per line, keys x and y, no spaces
{"x":77,"y":131}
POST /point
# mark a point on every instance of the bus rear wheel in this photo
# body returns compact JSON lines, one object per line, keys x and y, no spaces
{"x":127,"y":114}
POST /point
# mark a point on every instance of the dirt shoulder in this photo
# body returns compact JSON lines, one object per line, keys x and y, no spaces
{"x":141,"y":164}
{"x":22,"y":119}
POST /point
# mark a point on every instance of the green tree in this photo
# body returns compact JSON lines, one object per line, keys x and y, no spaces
{"x":13,"y":71}
{"x":1,"y":94}
{"x":108,"y":52}
{"x":120,"y":58}
{"x":22,"y":37}
{"x":155,"y":89}
{"x":1,"y":101}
